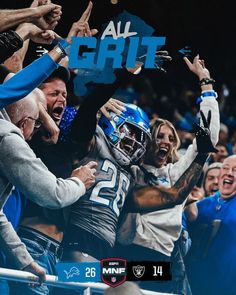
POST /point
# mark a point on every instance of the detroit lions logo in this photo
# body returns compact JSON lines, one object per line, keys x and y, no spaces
{"x":74,"y":271}
{"x":156,"y":180}
{"x":162,"y":180}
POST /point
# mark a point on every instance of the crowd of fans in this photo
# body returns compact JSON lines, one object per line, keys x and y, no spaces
{"x":83,"y":179}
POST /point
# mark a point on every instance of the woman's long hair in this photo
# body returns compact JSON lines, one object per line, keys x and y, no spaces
{"x":155,"y":125}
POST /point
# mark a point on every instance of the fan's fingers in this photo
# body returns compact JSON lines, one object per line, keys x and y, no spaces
{"x":204,"y":121}
{"x":209,"y":118}
{"x":85,"y":16}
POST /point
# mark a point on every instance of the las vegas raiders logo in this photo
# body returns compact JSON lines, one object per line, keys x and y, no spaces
{"x":138,"y":271}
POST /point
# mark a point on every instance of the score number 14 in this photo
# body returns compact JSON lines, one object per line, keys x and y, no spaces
{"x":157,"y":271}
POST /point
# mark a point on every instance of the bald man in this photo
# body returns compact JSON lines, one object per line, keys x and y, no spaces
{"x":19,"y":167}
{"x":213,"y":270}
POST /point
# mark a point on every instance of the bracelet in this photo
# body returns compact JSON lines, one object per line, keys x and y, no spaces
{"x":210,"y":93}
{"x":204,"y":94}
{"x":64,"y":45}
{"x":60,"y":51}
{"x":206,"y":81}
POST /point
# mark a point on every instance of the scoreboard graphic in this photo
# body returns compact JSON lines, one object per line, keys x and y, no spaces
{"x":114,"y":271}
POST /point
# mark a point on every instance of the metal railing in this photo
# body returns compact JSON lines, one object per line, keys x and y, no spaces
{"x":86,"y":288}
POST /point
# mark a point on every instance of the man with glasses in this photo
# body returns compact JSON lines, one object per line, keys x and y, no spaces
{"x":39,"y":224}
{"x":37,"y":122}
{"x":19,"y":167}
{"x":34,"y":124}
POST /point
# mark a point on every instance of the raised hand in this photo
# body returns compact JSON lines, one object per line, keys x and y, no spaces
{"x":81,"y":27}
{"x":51,"y":130}
{"x":160,"y":58}
{"x":197,"y":67}
{"x":203,"y":136}
{"x":47,"y":14}
{"x":114,"y":105}
{"x":42,"y":37}
{"x":37,"y":35}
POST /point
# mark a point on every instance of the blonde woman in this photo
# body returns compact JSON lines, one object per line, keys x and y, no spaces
{"x":152,"y":235}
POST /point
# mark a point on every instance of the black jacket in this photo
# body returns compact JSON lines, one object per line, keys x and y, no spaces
{"x":10,"y":42}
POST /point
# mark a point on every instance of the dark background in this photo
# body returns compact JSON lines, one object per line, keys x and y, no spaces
{"x":209,"y":27}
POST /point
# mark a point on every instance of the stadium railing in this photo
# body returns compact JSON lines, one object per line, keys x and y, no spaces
{"x":87,"y":288}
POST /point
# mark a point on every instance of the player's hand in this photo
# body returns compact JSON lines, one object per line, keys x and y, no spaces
{"x":160,"y":58}
{"x":196,"y":194}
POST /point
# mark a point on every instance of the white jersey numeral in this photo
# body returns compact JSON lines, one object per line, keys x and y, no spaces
{"x":119,"y":182}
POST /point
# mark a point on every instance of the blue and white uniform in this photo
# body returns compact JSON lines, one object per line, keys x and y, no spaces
{"x":98,"y":210}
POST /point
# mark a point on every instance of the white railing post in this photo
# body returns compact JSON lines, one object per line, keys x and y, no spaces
{"x":87,"y":291}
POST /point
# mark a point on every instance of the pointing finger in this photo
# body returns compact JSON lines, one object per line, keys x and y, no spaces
{"x":85,"y":16}
{"x":188,"y":62}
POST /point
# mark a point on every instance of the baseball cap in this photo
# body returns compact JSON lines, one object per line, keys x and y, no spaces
{"x":62,"y":73}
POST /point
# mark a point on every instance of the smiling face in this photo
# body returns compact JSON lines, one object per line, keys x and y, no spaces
{"x":227,"y":178}
{"x":163,"y":142}
{"x":56,"y":93}
{"x":211,"y":185}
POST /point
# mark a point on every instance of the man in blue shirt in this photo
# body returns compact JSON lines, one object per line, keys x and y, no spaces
{"x":212,"y":269}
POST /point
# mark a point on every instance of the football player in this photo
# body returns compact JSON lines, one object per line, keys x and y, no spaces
{"x":115,"y":145}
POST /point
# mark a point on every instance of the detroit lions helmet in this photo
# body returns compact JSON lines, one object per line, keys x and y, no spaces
{"x":128,"y":134}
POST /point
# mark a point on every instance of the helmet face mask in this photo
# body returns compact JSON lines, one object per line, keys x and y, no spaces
{"x":128,"y":134}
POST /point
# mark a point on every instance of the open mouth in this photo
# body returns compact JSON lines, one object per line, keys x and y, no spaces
{"x":227,"y":182}
{"x":57,"y":113}
{"x":163,"y":152}
{"x":213,"y":191}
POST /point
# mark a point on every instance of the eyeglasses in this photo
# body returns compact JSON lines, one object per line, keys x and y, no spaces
{"x":37,"y":122}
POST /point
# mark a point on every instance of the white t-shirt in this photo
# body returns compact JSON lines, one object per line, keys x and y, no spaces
{"x":160,"y":229}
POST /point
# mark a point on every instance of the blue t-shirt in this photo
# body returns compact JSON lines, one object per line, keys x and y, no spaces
{"x":13,"y":208}
{"x":215,"y":271}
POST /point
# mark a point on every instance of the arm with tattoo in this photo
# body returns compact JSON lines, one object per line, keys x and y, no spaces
{"x":152,"y":198}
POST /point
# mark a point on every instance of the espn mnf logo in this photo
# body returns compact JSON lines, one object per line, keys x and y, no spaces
{"x":113,"y":271}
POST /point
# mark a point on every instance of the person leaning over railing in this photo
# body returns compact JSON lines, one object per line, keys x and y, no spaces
{"x":19,"y":165}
